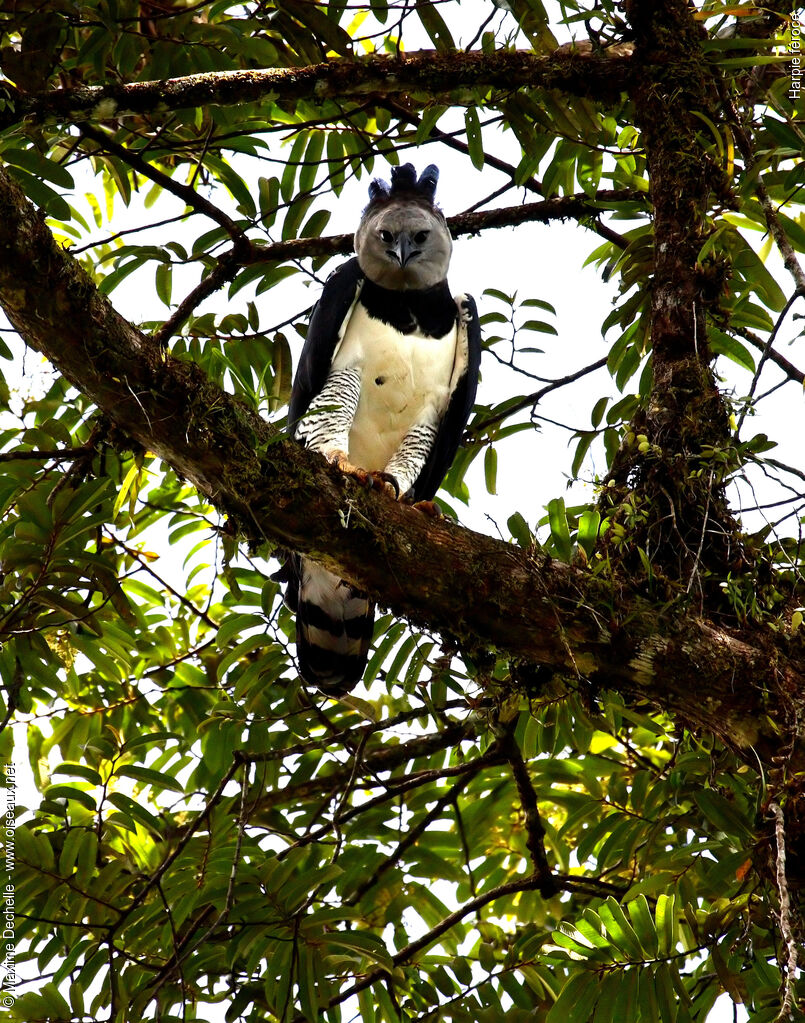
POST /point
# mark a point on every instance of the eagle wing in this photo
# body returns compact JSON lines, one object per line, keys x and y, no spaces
{"x":462,"y":398}
{"x":334,"y":621}
{"x":325,"y":332}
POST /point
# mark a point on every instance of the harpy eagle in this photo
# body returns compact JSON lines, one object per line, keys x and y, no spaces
{"x":384,"y":388}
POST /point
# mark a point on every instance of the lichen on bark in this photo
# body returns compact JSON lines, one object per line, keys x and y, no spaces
{"x":666,"y":487}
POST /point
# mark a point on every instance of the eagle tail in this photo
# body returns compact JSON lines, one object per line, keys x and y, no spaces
{"x":334,"y":626}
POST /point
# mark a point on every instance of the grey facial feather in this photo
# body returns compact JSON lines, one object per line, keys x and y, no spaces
{"x":403,"y":246}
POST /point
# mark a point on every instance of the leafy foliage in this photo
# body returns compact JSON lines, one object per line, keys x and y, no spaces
{"x":208,"y":837}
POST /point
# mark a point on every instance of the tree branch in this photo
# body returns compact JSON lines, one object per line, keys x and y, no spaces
{"x":535,"y":831}
{"x":481,"y":591}
{"x":575,"y":207}
{"x":532,"y":400}
{"x":427,"y":72}
{"x":787,"y":367}
{"x":564,"y":882}
{"x":182,"y":191}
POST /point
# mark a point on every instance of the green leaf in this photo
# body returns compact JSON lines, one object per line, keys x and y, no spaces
{"x":332,"y":35}
{"x":163,"y":281}
{"x":518,"y":527}
{"x":667,"y":1000}
{"x":43,"y":195}
{"x":576,"y":1000}
{"x":628,"y":995}
{"x":87,"y":858}
{"x":149,"y":739}
{"x":435,"y":25}
{"x":158,"y":779}
{"x":429,"y":121}
{"x":58,"y":792}
{"x":40,"y":166}
{"x":560,"y":531}
{"x":69,"y":852}
{"x":288,"y":181}
{"x":268,"y":193}
{"x":620,"y":930}
{"x":230,"y":178}
{"x":665,"y":916}
{"x":647,"y":996}
{"x":723,"y":344}
{"x":610,"y":1006}
{"x":474,"y":139}
{"x":118,"y":275}
{"x":723,"y":815}
{"x":130,"y":483}
{"x":491,"y":469}
{"x":589,"y":524}
{"x":130,"y":808}
{"x":643,"y":923}
{"x":368,"y":945}
{"x":294,"y":217}
{"x":79,"y":771}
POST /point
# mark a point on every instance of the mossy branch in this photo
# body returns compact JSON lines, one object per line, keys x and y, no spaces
{"x":426,"y":72}
{"x":481,"y":591}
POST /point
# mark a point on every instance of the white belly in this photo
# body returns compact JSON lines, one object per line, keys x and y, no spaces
{"x":404,"y":377}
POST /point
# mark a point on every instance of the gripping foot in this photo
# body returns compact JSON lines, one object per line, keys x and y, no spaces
{"x":383,"y":482}
{"x":429,"y":508}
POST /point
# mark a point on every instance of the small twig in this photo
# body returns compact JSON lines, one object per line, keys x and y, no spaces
{"x":225,"y":270}
{"x":787,"y":367}
{"x":789,"y":1000}
{"x":190,"y":944}
{"x":357,"y":761}
{"x":189,"y":195}
{"x":464,"y":846}
{"x":590,"y":886}
{"x":162,"y":869}
{"x":414,"y":834}
{"x":480,"y":29}
{"x":183,"y":600}
{"x":113,"y":979}
{"x":410,"y":782}
{"x":535,"y":398}
{"x":176,"y":943}
{"x":535,"y":829}
{"x":45,"y":455}
{"x":698,"y":555}
{"x":77,"y":249}
{"x":765,"y":354}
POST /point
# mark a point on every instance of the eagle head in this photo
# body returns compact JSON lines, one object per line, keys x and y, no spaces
{"x":402,"y":242}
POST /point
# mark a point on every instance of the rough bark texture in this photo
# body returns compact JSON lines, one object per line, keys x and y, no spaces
{"x":479,"y":590}
{"x":686,"y":526}
{"x":428,"y":73}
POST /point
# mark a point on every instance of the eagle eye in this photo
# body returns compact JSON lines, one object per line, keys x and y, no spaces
{"x":421,"y":237}
{"x":386,"y":236}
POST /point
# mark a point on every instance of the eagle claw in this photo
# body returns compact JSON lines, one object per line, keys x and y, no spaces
{"x":429,"y":508}
{"x":341,"y":461}
{"x":383,"y":482}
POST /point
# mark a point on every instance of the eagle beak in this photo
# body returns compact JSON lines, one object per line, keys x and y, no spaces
{"x":405,"y":249}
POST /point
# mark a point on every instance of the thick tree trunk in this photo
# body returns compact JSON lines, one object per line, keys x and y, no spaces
{"x":683,"y":525}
